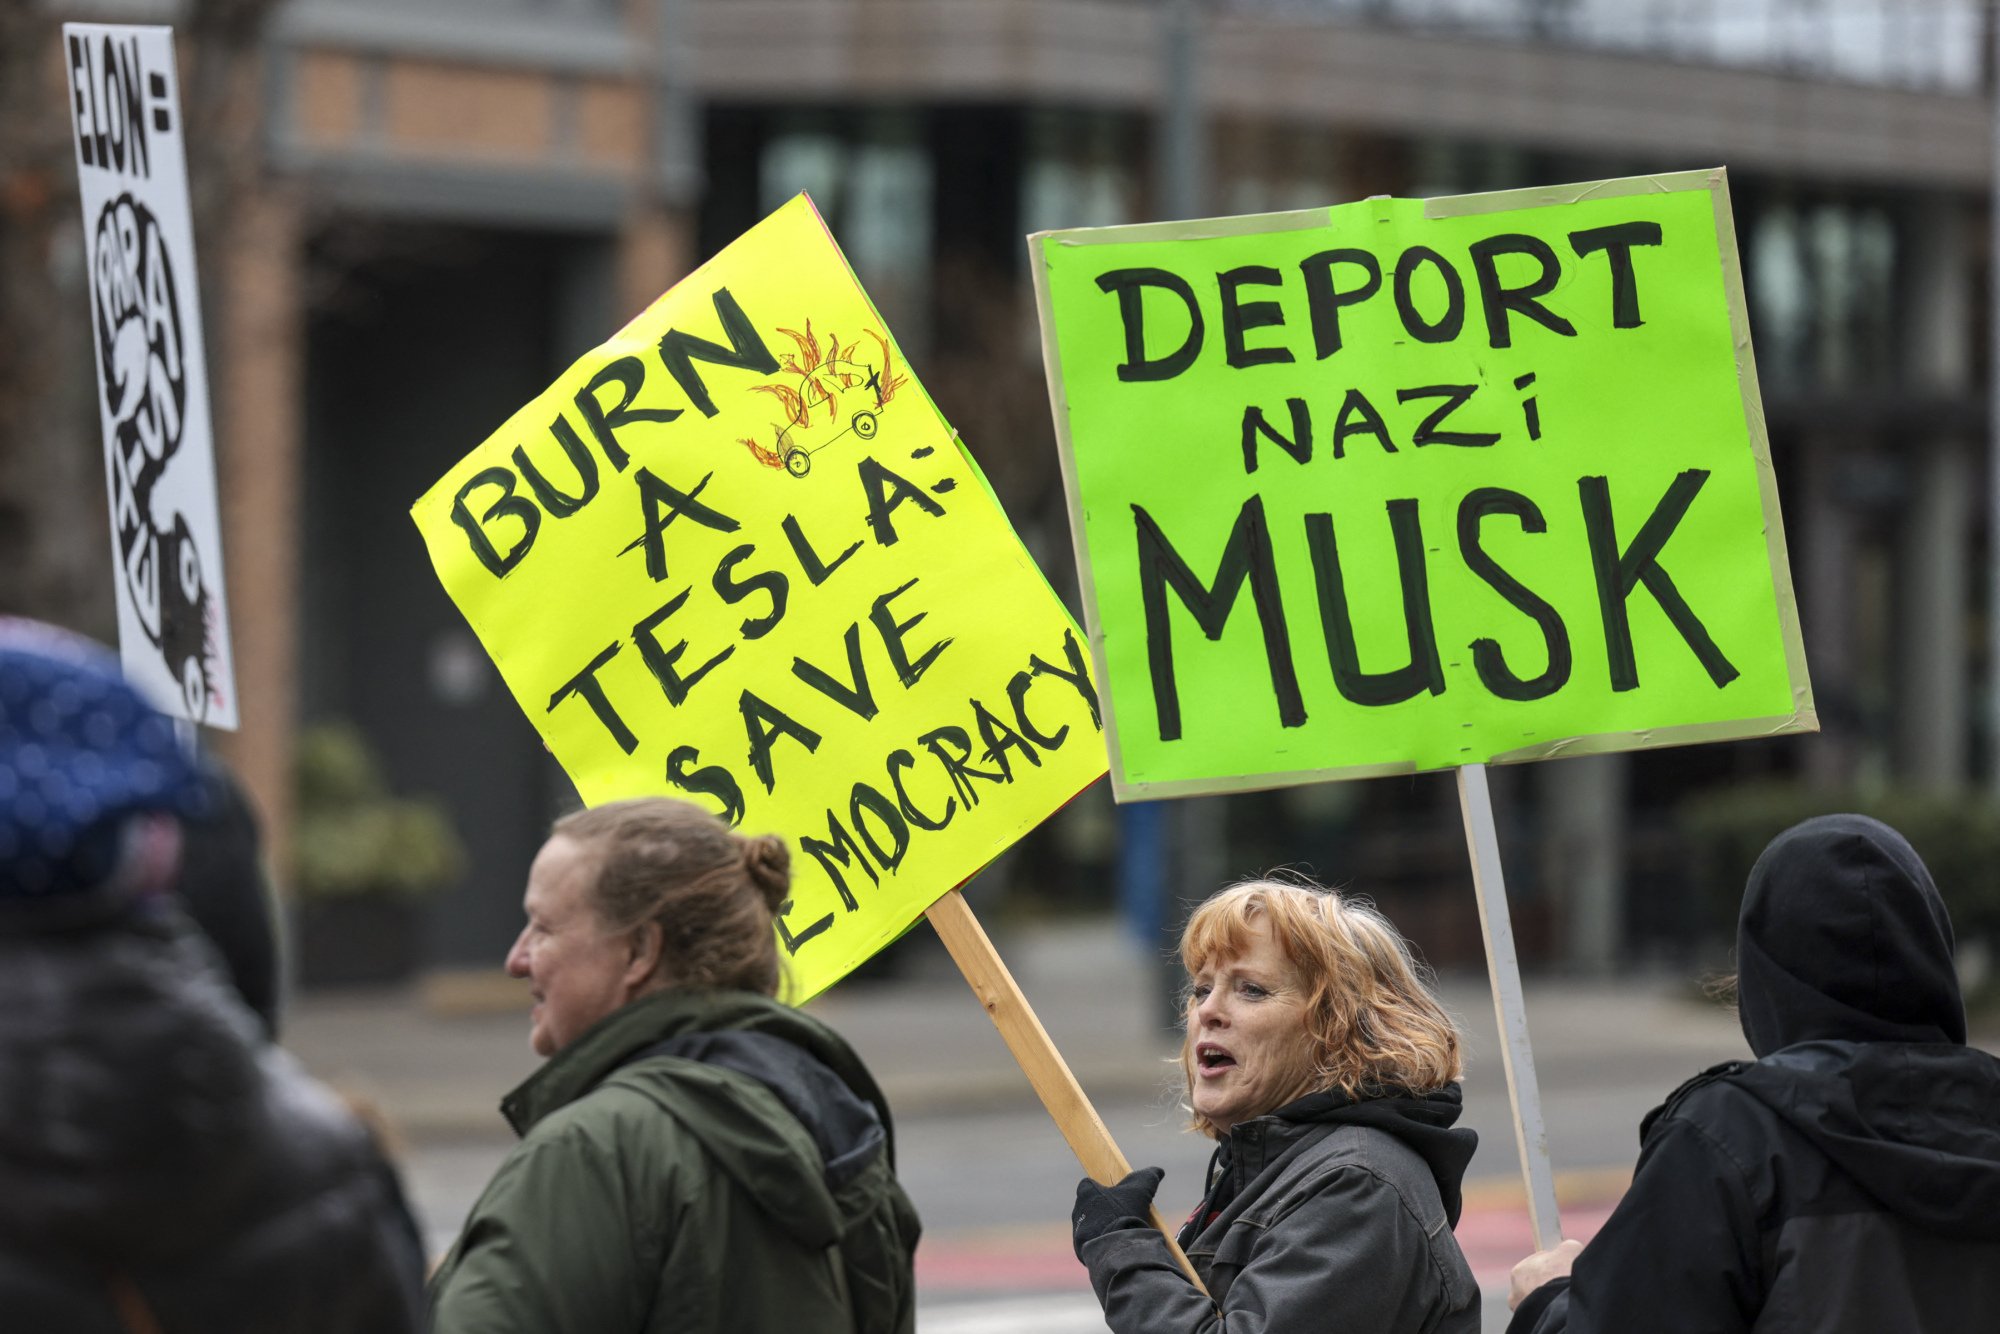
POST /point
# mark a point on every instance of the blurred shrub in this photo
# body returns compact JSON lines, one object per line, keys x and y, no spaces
{"x":1957,"y":834}
{"x":352,"y":838}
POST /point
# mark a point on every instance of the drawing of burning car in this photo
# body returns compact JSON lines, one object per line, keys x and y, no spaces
{"x":828,"y":394}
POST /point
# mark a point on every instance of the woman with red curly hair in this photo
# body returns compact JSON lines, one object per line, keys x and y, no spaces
{"x":1318,"y":1059}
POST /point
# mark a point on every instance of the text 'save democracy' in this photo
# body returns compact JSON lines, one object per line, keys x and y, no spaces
{"x":734,"y":554}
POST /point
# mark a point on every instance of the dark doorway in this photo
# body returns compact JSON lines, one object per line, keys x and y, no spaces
{"x":423,"y":341}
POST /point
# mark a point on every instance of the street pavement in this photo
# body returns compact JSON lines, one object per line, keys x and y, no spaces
{"x":985,"y":1165}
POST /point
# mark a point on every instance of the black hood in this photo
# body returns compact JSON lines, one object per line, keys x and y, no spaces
{"x":1917,"y":1125}
{"x":1849,"y":998}
{"x":618,"y":1039}
{"x":846,"y":1129}
{"x":814,"y":1192}
{"x":1843,"y":938}
{"x":1426,"y":1122}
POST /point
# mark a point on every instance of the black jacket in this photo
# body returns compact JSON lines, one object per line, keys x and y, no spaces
{"x":151,"y":1140}
{"x":1848,"y":1179}
{"x":1329,"y":1213}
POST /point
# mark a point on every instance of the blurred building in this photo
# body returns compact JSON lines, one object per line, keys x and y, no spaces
{"x":456,"y":197}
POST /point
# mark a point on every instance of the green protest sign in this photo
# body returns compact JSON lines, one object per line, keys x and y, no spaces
{"x":1410,"y":484}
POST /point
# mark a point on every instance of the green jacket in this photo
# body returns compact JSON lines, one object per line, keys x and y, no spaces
{"x":697,"y":1161}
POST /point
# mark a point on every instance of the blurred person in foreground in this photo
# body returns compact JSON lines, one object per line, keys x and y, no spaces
{"x":1326,"y":1071}
{"x":222,"y":888}
{"x":162,"y":1167}
{"x":1848,"y":1179}
{"x":695,"y":1155}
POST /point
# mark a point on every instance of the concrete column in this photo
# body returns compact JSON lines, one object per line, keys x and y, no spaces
{"x":656,"y":243}
{"x":1932,"y":677}
{"x":1181,"y":146}
{"x":256,"y":352}
{"x":1930,"y":685}
{"x":1823,"y":565}
{"x":655,"y":251}
{"x":1583,"y":854}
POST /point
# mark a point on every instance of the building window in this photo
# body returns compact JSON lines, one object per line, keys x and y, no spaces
{"x":1822,"y":295}
{"x":1081,"y":170}
{"x":870,"y":177}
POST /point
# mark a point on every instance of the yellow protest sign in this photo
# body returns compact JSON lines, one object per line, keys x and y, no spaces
{"x":735,"y":554}
{"x":1410,"y":484}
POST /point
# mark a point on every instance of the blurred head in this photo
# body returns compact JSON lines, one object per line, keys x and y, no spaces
{"x":639,"y":896}
{"x":222,"y":886}
{"x":1294,"y":989}
{"x":93,"y":782}
{"x":1843,"y":936}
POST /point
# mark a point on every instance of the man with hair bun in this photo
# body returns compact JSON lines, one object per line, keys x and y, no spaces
{"x":695,"y":1155}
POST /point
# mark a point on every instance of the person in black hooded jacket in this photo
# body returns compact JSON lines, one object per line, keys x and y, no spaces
{"x":1327,"y":1073}
{"x":1848,"y":1179}
{"x":162,"y":1166}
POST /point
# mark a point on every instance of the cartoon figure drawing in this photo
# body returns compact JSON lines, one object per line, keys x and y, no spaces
{"x":143,"y":378}
{"x":828,"y":393}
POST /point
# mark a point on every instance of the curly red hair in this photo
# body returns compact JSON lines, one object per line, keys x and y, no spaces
{"x":1370,"y":1017}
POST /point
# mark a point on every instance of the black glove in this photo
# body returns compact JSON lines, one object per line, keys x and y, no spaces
{"x":1102,"y":1209}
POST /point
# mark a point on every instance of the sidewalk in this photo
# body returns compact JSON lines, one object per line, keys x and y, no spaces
{"x":438,"y":1070}
{"x":1606,"y":1051}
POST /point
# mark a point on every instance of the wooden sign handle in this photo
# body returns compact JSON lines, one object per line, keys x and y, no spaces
{"x":1531,"y":1136}
{"x":1044,"y":1066}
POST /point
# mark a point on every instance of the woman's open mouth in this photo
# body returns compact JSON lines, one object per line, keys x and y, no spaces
{"x":1211,"y":1059}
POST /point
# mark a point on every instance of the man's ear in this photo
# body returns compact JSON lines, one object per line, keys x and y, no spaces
{"x":644,"y":944}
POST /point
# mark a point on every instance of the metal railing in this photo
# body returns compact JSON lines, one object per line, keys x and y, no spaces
{"x":1933,"y":45}
{"x":472,"y":11}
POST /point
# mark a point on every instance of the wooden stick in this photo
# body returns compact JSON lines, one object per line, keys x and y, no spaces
{"x":1530,"y":1135}
{"x":1044,"y":1066}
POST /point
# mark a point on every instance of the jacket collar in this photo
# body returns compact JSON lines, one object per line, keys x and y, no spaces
{"x":1423,"y":1122}
{"x":612,"y":1040}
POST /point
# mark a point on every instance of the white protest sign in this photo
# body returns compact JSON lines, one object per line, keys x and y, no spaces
{"x":173,"y":621}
